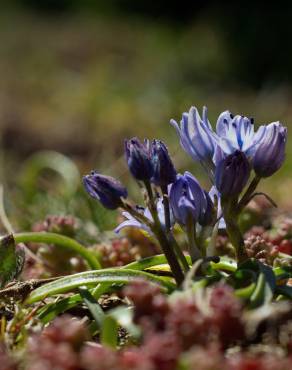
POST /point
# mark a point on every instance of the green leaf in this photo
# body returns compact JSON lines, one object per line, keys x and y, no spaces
{"x":61,"y":241}
{"x":147,"y":262}
{"x":270,"y":280}
{"x":109,"y":333}
{"x":92,"y":278}
{"x":246,"y":292}
{"x":93,"y":306}
{"x":11,"y":261}
{"x":265,"y":287}
{"x":51,"y":310}
{"x":257,"y":297}
{"x":124,"y":317}
{"x":282,"y":272}
{"x":285,"y":290}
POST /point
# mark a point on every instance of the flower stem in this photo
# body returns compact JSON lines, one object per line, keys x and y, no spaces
{"x":62,"y":242}
{"x":236,"y":238}
{"x":164,"y":242}
{"x":166,"y":208}
{"x":247,"y":196}
{"x":211,"y":248}
{"x":177,"y":249}
{"x":231,"y":214}
{"x":191,"y":233}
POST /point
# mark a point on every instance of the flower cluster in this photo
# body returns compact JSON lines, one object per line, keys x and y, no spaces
{"x":265,"y":148}
{"x":229,"y":155}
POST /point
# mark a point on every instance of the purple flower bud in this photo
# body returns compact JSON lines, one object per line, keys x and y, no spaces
{"x":138,"y":158}
{"x":188,"y":199}
{"x":232,"y":174}
{"x":164,"y":171}
{"x":106,"y":189}
{"x":270,"y":154}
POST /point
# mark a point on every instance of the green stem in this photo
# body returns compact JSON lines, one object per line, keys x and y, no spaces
{"x":191,"y":233}
{"x":164,"y":243}
{"x":211,"y":248}
{"x":166,"y":208}
{"x":236,"y":237}
{"x":181,"y":257}
{"x":61,"y":241}
{"x":246,"y":197}
{"x":179,"y":253}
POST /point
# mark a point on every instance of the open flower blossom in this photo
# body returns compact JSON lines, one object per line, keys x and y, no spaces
{"x":237,"y":133}
{"x":131,"y":221}
{"x":189,"y":201}
{"x":106,"y":189}
{"x":233,"y":133}
{"x":196,"y":136}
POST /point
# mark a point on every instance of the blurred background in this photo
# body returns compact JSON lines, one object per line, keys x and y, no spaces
{"x":77,"y":77}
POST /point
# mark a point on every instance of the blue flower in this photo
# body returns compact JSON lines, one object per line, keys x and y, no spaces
{"x":270,"y":154}
{"x":232,"y":174}
{"x":189,"y":200}
{"x":131,"y":221}
{"x":164,"y":172}
{"x":237,"y":133}
{"x":233,"y":133}
{"x":196,"y":136}
{"x":106,"y":189}
{"x":138,"y":156}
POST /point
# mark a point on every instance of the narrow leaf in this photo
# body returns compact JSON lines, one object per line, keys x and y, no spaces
{"x":92,"y":278}
{"x":93,"y":306}
{"x":285,"y":290}
{"x":50,"y":311}
{"x":109,"y":332}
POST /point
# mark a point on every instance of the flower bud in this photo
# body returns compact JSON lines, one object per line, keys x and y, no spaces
{"x":106,"y":189}
{"x":164,"y":172}
{"x":270,"y":154}
{"x":188,"y":199}
{"x":138,"y":158}
{"x":232,"y":174}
